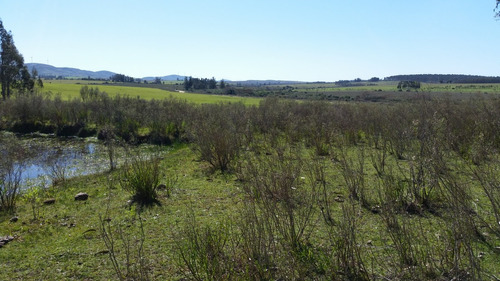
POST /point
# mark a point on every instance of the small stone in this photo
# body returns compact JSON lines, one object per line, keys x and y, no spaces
{"x":6,"y":239}
{"x":49,"y":201}
{"x":14,"y":219}
{"x":369,"y":243}
{"x":82,"y":196}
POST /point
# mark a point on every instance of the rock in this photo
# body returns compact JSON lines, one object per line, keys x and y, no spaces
{"x":376,"y":209}
{"x":82,"y":196}
{"x":14,"y":219}
{"x":6,"y":239}
{"x":369,"y":243}
{"x":49,"y":201}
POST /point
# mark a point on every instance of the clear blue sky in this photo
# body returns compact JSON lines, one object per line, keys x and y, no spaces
{"x":310,"y":40}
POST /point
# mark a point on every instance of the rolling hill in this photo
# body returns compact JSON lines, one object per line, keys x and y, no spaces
{"x":49,"y":71}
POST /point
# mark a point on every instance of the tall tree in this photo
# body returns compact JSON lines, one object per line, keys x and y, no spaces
{"x":13,"y":72}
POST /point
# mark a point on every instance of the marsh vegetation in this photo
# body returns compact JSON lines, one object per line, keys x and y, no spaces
{"x":282,"y":190}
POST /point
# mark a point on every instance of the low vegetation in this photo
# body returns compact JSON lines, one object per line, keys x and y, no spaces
{"x":283,"y":190}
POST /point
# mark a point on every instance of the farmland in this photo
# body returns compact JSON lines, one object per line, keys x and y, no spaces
{"x":70,"y":89}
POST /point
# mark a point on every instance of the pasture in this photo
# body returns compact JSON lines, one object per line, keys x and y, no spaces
{"x":70,"y":89}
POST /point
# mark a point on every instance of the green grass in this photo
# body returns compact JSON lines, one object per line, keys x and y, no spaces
{"x":65,"y":242}
{"x":70,"y":89}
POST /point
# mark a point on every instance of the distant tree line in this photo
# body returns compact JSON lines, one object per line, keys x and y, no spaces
{"x":191,"y":83}
{"x":444,"y":78}
{"x":122,"y":78}
{"x":355,"y":82}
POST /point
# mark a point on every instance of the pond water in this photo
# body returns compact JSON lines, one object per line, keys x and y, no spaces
{"x":48,"y":159}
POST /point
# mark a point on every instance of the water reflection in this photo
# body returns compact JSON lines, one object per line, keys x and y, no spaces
{"x":52,"y":159}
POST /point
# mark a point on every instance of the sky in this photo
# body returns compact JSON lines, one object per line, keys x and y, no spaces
{"x":314,"y":40}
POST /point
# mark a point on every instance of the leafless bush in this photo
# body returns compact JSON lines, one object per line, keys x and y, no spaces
{"x":56,"y":167}
{"x":282,"y":200}
{"x":10,"y":185}
{"x":461,"y":259}
{"x":217,"y":132}
{"x":11,"y":169}
{"x":488,"y":175}
{"x":349,"y":262}
{"x":204,"y":251}
{"x":352,"y":169}
{"x":126,"y":249}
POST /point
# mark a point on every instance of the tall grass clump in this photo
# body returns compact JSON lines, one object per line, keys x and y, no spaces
{"x":140,"y":177}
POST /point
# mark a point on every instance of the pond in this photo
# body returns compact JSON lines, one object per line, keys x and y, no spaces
{"x":46,"y":159}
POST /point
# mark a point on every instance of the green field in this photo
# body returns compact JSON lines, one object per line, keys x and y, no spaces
{"x":70,"y":89}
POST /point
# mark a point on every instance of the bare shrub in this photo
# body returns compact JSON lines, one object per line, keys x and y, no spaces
{"x":204,"y":251}
{"x":348,"y":259}
{"x":276,"y":184}
{"x":10,"y":186}
{"x":217,"y":132}
{"x":488,"y":175}
{"x":126,"y":249}
{"x":56,"y":167}
{"x":352,"y":168}
{"x":461,"y":260}
{"x":11,"y":169}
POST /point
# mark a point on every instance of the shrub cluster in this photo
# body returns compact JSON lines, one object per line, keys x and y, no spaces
{"x":309,"y":173}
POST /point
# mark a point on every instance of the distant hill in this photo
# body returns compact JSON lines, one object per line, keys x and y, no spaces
{"x":444,"y":78}
{"x":49,"y":71}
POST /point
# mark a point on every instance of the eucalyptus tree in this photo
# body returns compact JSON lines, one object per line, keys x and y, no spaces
{"x":13,"y":73}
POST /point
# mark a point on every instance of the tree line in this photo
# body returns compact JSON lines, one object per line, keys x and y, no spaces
{"x":191,"y":83}
{"x":444,"y":78}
